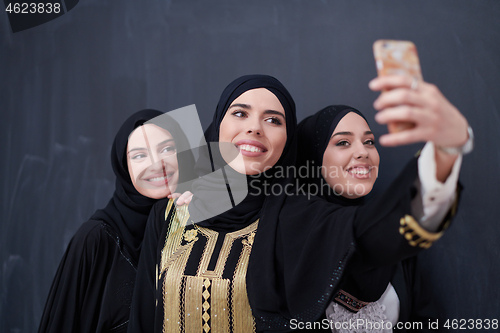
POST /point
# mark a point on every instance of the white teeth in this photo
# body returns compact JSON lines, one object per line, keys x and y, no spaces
{"x":250,"y":148}
{"x":359,"y":171}
{"x":157,"y":179}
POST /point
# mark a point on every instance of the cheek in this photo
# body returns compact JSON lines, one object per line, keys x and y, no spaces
{"x":335,"y":159}
{"x":227,"y":129}
{"x":376,"y":158}
{"x":277,"y":139}
{"x":332,"y":169}
{"x":133,"y":173}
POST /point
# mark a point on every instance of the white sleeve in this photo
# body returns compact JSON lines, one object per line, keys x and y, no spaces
{"x":433,"y":199}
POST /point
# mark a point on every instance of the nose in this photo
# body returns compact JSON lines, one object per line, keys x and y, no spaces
{"x":254,"y":127}
{"x":156,"y":166}
{"x":360,"y":151}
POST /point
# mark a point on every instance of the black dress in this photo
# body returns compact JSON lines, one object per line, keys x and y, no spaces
{"x":92,"y":289}
{"x":93,"y":286}
{"x":362,"y":283}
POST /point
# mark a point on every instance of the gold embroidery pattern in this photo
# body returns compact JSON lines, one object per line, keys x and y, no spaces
{"x":207,"y":253}
{"x":243,"y":320}
{"x":206,"y":305}
{"x":173,"y":240}
{"x":201,"y":303}
{"x":193,"y":292}
{"x":172,"y":292}
{"x":173,"y":262}
{"x":220,"y":308}
{"x":415,"y":234}
{"x":190,"y":235}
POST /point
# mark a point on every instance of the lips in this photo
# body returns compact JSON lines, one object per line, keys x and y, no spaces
{"x":251,"y":148}
{"x":159,"y":179}
{"x":360,"y":171}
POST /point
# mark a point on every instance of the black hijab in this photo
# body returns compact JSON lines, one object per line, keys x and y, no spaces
{"x":314,"y":133}
{"x":128,"y":210}
{"x":212,"y":188}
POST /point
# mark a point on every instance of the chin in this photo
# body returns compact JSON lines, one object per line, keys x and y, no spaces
{"x":244,"y":169}
{"x":155,"y":193}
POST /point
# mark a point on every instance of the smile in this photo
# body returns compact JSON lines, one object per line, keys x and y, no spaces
{"x":158,"y":179}
{"x":358,"y":171}
{"x":251,"y":148}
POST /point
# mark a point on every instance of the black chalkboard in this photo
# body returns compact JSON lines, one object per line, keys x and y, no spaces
{"x":67,"y":85}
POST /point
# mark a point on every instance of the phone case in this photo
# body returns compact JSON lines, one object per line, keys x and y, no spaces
{"x":396,"y":57}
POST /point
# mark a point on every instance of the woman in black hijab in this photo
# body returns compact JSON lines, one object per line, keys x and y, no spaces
{"x":276,"y":256}
{"x":344,"y":142}
{"x":201,"y":267}
{"x":93,"y":286}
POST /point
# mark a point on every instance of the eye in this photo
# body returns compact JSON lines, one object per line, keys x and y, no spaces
{"x":168,"y":150}
{"x":139,"y":156}
{"x":343,"y":143}
{"x":239,"y":113}
{"x":370,"y":142}
{"x":274,"y":120}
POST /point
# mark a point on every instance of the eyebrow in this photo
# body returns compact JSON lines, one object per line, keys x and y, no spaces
{"x":246,"y":106}
{"x":141,"y":149}
{"x":350,"y":133}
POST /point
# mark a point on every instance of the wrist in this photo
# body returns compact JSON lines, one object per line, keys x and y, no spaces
{"x":466,"y":148}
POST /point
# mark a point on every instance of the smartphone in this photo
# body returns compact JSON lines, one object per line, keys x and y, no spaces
{"x":397,"y":57}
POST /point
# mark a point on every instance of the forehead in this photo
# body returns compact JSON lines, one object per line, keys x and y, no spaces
{"x":352,"y":122}
{"x":148,"y":134}
{"x":259,"y":98}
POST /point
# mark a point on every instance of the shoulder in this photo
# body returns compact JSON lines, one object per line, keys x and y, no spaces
{"x":159,"y":213}
{"x":310,"y":205}
{"x":89,"y":231}
{"x":92,"y":239}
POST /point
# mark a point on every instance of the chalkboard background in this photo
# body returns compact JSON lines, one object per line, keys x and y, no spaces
{"x":67,"y":85}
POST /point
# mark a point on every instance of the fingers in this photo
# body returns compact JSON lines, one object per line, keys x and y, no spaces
{"x":390,"y":82}
{"x":184,"y":199}
{"x":173,"y":195}
{"x":398,"y":97}
{"x":407,"y":113}
{"x":406,"y":137}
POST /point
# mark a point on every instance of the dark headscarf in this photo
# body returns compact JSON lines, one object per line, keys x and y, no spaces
{"x":314,"y":133}
{"x":128,"y":210}
{"x":248,"y":209}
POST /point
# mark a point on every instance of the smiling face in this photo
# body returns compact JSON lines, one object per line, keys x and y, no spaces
{"x":350,"y":162}
{"x":255,"y":123}
{"x":152,"y":161}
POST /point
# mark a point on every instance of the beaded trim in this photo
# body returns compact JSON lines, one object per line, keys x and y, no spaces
{"x":350,"y":302}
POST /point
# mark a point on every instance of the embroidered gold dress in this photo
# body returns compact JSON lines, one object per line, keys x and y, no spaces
{"x":201,"y":277}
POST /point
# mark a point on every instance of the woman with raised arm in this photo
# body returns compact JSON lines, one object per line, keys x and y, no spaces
{"x":93,"y":285}
{"x":343,"y":170}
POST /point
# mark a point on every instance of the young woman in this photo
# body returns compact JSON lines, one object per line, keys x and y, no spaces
{"x":93,"y":286}
{"x":274,"y":259}
{"x":343,"y":170}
